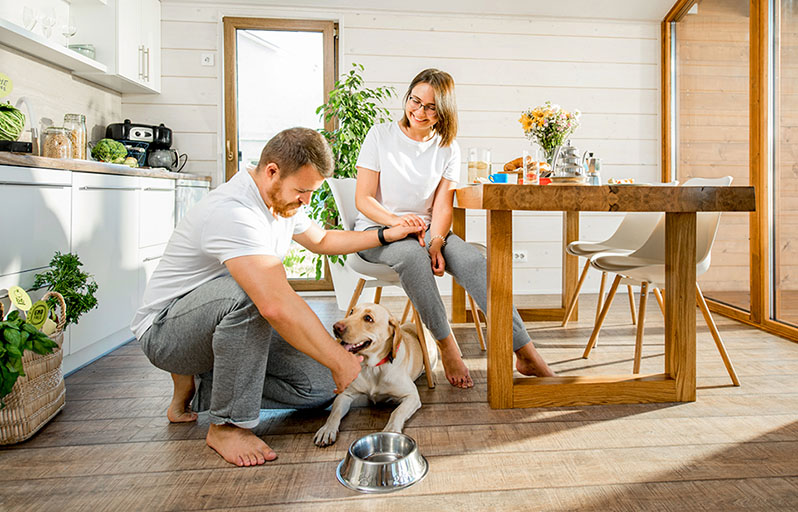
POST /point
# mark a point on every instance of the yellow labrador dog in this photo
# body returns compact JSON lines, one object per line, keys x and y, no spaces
{"x":392,"y":360}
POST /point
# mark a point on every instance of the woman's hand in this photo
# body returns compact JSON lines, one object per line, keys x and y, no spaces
{"x":436,"y":257}
{"x":410,"y":220}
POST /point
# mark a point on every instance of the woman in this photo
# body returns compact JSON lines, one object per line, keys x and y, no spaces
{"x":407,"y":173}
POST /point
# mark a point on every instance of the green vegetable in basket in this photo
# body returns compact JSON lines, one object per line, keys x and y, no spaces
{"x":109,"y":150}
{"x":131,"y":161}
{"x":12,"y":120}
{"x":17,"y":336}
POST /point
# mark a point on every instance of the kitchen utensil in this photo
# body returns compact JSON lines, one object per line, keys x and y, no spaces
{"x":567,"y":162}
{"x":16,"y":146}
{"x":167,"y":158}
{"x":382,"y":462}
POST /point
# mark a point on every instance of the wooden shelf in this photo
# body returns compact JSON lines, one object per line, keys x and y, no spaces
{"x":16,"y":37}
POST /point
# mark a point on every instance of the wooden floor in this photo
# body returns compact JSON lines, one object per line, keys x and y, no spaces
{"x":733,"y":449}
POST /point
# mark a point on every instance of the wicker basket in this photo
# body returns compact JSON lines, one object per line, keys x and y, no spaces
{"x":38,"y":396}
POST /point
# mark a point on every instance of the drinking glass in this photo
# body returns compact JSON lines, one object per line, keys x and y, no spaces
{"x":530,"y":167}
{"x":479,"y":164}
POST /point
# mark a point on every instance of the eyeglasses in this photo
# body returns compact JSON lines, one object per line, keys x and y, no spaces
{"x":416,"y":104}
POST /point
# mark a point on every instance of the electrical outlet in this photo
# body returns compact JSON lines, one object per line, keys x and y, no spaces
{"x":519,"y":256}
{"x":206,"y":59}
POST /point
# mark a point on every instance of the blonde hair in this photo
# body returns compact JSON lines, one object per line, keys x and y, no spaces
{"x":442,"y":84}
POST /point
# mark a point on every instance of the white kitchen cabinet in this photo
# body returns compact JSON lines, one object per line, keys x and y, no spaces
{"x":36,"y":206}
{"x":127,"y":38}
{"x":156,"y":211}
{"x":105,"y":235}
{"x":149,"y":257}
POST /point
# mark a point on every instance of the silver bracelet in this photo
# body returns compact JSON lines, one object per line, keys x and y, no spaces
{"x":443,"y":239}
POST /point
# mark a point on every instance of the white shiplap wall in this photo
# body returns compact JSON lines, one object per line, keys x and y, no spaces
{"x":502,"y":64}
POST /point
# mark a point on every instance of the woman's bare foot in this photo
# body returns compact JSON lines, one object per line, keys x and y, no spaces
{"x":179,"y":410}
{"x":529,"y":362}
{"x":453,"y":365}
{"x":238,"y":446}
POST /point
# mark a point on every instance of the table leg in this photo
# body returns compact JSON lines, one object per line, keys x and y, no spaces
{"x":500,"y":309}
{"x":570,"y":264}
{"x":680,"y":278}
{"x":458,"y":293}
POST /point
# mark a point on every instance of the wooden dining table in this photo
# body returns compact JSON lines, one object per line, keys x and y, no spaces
{"x":677,"y":382}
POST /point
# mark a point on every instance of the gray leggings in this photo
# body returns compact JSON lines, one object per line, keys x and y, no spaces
{"x":463,"y":261}
{"x":243,"y":364}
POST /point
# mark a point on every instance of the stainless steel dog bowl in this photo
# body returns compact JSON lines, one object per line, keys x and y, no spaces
{"x":382,"y":462}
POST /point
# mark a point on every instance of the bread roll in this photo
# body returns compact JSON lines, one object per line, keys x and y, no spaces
{"x":513,"y":164}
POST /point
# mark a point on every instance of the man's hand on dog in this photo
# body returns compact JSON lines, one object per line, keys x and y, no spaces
{"x":347,"y":371}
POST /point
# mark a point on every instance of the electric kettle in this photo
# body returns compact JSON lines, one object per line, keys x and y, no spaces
{"x":170,"y":159}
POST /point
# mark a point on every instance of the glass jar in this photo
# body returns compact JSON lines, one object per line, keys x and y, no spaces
{"x":76,"y":124}
{"x":57,"y":143}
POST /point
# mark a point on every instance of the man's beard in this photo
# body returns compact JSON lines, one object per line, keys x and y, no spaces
{"x":280,"y":207}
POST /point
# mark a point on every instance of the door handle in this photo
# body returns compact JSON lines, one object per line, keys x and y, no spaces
{"x":230,"y":155}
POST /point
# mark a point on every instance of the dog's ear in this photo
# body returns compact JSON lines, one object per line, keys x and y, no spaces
{"x":397,"y":336}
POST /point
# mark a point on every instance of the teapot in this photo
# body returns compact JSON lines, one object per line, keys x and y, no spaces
{"x":167,"y":158}
{"x":566,"y":162}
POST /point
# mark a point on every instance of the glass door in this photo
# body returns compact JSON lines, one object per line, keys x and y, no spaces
{"x":784,"y":187}
{"x":277,"y":72}
{"x":712,"y":119}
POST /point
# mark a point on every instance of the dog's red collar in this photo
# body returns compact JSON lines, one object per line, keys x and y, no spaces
{"x":388,"y":358}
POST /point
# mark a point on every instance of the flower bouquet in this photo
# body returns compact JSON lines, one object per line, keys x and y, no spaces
{"x":549,"y":125}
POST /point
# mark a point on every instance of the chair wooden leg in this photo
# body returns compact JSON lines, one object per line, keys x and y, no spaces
{"x":422,"y":339}
{"x":631,"y":302}
{"x":660,"y":300}
{"x":477,"y":324}
{"x":407,"y":310}
{"x":641,"y":320}
{"x":570,"y":309}
{"x":377,"y":294}
{"x":602,"y":315}
{"x":600,"y":302}
{"x":355,"y":296}
{"x":702,"y":304}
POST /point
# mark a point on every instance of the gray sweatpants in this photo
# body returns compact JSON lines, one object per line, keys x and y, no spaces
{"x":216,"y":333}
{"x":463,"y":261}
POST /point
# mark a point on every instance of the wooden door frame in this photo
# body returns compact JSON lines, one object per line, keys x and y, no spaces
{"x":231,"y":24}
{"x":759,"y":159}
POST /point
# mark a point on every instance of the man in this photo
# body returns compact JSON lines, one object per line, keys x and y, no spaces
{"x":219,"y":304}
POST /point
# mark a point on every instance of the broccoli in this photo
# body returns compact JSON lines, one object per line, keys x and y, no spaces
{"x":109,"y":150}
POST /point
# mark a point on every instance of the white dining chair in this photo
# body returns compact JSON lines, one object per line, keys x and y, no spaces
{"x":631,"y":233}
{"x":646,"y":266}
{"x":358,"y":274}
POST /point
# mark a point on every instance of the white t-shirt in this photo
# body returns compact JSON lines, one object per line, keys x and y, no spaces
{"x":231,"y":221}
{"x":410,"y":171}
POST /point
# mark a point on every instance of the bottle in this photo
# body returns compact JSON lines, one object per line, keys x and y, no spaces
{"x":57,"y":143}
{"x":76,"y":124}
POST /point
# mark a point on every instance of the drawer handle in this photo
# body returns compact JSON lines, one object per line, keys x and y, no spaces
{"x":48,"y":185}
{"x":151,"y":258}
{"x":108,"y":188}
{"x":154,"y":189}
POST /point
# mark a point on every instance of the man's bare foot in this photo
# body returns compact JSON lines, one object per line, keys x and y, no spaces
{"x":179,"y":410}
{"x":453,"y":365}
{"x":238,"y":446}
{"x":529,"y":362}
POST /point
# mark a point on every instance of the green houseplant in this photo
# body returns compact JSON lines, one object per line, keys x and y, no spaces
{"x":66,"y":277}
{"x":355,"y":109}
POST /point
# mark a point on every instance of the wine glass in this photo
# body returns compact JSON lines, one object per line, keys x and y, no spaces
{"x":69,"y":30}
{"x":29,"y":17}
{"x":48,"y":22}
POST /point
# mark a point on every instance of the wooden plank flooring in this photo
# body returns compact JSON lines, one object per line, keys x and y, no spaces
{"x":733,"y":449}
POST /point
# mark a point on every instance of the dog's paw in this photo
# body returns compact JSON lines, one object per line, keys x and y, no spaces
{"x":326,"y":436}
{"x":394,"y":427}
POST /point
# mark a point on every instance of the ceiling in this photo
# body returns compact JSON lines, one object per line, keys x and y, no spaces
{"x":642,"y":10}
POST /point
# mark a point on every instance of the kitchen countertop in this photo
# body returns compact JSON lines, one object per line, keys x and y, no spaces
{"x":24,"y":160}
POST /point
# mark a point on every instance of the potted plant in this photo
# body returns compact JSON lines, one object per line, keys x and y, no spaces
{"x":76,"y":286}
{"x":355,"y":109}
